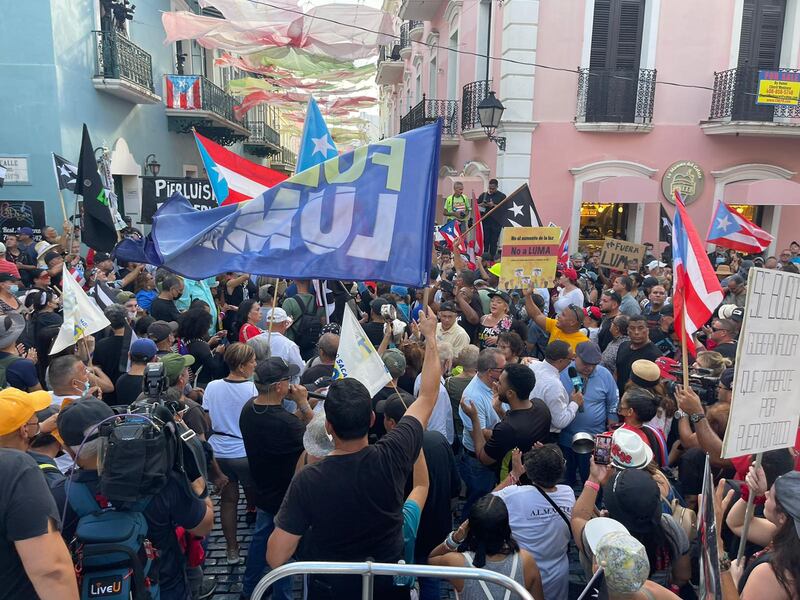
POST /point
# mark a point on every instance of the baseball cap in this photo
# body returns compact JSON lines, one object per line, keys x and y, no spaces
{"x":376,"y":305}
{"x":668,"y":310}
{"x":16,"y":407}
{"x":25,"y":231}
{"x":589,"y":353}
{"x":101,"y":257}
{"x":654,"y":264}
{"x":124,"y":296}
{"x":76,"y":419}
{"x":274,"y":369}
{"x":570,"y":273}
{"x":277,"y":315}
{"x":449,"y":306}
{"x":395,"y":362}
{"x":737,"y":314}
{"x":143,"y":348}
{"x":624,"y":562}
{"x":394,"y":407}
{"x":726,"y":378}
{"x":158,"y":331}
{"x":667,"y":365}
{"x":495,"y":269}
{"x":500,"y":294}
{"x":594,"y":312}
{"x":400,"y":290}
{"x":595,"y":529}
{"x":7,"y":277}
{"x":633,"y":498}
{"x":649,"y":281}
{"x":174,"y":364}
{"x":628,"y":450}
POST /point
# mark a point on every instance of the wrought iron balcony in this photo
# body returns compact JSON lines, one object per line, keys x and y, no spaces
{"x":429,"y":111}
{"x":616,"y":96}
{"x":212,"y":112}
{"x":264,"y":138}
{"x":405,"y":40}
{"x":471,"y":96}
{"x":123,"y":69}
{"x":415,"y":30}
{"x":735,"y":94}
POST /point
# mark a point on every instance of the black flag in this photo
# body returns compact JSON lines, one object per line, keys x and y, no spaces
{"x":518,"y":210}
{"x":665,"y":227}
{"x":66,"y":173}
{"x":98,"y":226}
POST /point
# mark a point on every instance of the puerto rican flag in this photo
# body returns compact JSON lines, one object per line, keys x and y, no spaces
{"x":563,"y":249}
{"x":233,"y":178}
{"x":697,"y":290}
{"x":183,"y":91}
{"x":730,"y":229}
{"x":450,"y":232}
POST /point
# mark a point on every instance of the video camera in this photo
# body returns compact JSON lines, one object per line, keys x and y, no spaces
{"x":701,"y":380}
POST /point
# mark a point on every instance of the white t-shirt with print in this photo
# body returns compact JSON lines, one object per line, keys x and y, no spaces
{"x":538,"y":528}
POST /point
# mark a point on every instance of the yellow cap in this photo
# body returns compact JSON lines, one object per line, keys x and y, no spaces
{"x":17,"y":407}
{"x":495,"y":269}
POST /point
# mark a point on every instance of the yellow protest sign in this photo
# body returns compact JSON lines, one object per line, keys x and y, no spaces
{"x":529,"y":257}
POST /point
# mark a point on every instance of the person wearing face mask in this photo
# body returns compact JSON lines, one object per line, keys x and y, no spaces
{"x":9,"y":287}
{"x":69,"y":379}
{"x":525,"y":423}
{"x":131,"y":305}
{"x":163,"y":308}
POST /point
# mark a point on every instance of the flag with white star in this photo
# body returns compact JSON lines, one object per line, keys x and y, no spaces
{"x":316,"y":144}
{"x":518,"y":210}
{"x":65,"y":173}
{"x":733,"y":230}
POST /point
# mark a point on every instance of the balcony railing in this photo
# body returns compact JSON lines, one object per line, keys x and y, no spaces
{"x":288,"y":158}
{"x":616,"y":95}
{"x":428,"y":111}
{"x":735,"y":93}
{"x":212,"y":99}
{"x":116,"y":57}
{"x":472,"y":95}
{"x":405,"y":39}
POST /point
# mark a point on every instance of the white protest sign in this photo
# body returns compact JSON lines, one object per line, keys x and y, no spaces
{"x":765,"y":407}
{"x":357,"y":357}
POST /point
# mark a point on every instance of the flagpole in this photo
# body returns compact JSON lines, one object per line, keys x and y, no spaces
{"x":748,"y":515}
{"x":272,"y":314}
{"x":684,"y":347}
{"x":58,"y":187}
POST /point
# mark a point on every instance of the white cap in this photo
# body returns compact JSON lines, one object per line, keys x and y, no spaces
{"x":654,"y":264}
{"x":277,"y":315}
{"x":628,"y":450}
{"x":596,"y":528}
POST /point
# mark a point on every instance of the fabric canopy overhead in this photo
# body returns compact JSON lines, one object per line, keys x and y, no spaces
{"x":249,"y":27}
{"x":620,"y":190}
{"x":775,"y":192}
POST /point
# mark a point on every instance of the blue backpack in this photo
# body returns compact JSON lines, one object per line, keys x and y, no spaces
{"x":113,"y":558}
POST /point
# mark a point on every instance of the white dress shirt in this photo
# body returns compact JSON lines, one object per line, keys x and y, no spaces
{"x":550,"y":389}
{"x":441,"y":419}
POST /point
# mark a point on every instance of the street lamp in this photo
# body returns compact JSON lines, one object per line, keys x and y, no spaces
{"x":490,"y":111}
{"x":152,"y":165}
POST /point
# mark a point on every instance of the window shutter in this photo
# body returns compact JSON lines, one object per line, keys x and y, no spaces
{"x":629,"y":36}
{"x":762,"y":33}
{"x":601,"y":28}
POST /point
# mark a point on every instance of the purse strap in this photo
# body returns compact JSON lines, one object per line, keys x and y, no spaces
{"x":554,"y":505}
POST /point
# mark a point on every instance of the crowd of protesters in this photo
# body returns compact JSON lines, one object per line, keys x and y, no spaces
{"x":473,"y":455}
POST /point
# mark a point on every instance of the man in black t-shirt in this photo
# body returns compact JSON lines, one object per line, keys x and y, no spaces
{"x":163,"y":307}
{"x":638,"y":347}
{"x":273,"y":441}
{"x":348,"y":507}
{"x":109,"y":351}
{"x":524,"y":424}
{"x":374,"y":327}
{"x":493,"y":224}
{"x":443,"y":485}
{"x":327,"y":346}
{"x":395,"y":363}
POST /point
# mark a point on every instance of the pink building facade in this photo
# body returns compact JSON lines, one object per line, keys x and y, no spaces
{"x":610,"y":105}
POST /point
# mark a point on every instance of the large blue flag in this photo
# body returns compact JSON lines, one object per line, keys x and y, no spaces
{"x":365,"y":215}
{"x":316,"y":143}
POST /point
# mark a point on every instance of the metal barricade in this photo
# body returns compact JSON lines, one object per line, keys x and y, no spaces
{"x":368,"y":570}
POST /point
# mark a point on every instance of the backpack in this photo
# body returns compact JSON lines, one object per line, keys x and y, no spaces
{"x":307,"y":329}
{"x":5,"y":362}
{"x":113,"y":558}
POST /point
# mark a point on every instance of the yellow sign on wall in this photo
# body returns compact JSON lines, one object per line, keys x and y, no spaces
{"x":778,"y":87}
{"x":529,"y":257}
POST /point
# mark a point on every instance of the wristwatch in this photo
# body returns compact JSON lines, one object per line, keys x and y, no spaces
{"x":679,"y":414}
{"x":697,"y":417}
